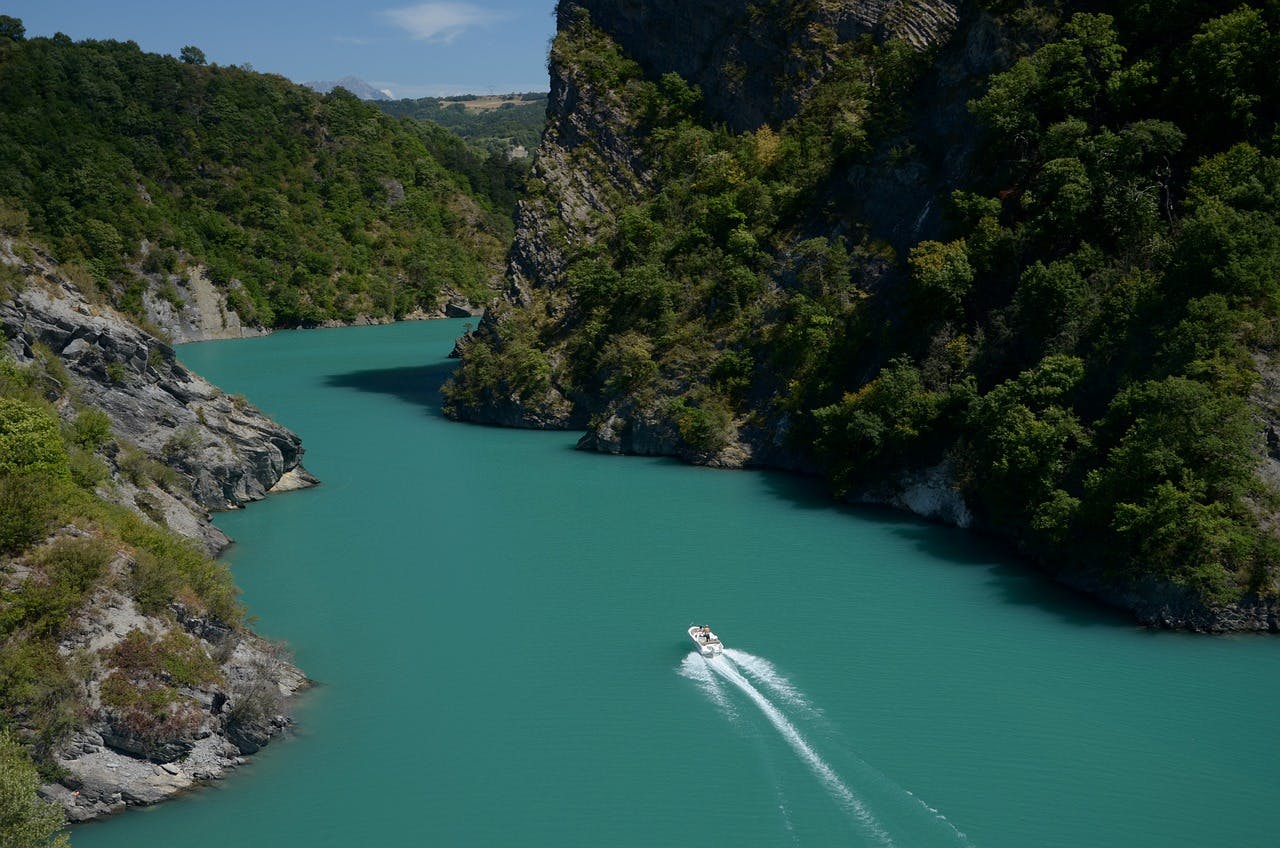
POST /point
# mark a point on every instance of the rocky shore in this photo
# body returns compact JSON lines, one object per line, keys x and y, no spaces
{"x":188,"y":307}
{"x":179,"y":448}
{"x":107,"y":767}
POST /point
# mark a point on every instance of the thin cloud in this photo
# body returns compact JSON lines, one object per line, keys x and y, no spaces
{"x":440,"y":22}
{"x":351,"y":39}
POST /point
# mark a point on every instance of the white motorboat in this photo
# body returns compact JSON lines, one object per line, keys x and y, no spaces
{"x":708,"y":643}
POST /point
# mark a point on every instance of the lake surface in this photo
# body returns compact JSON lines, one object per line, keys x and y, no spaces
{"x":496,"y":626}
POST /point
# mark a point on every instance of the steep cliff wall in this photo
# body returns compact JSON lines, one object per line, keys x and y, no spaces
{"x":189,"y":308}
{"x":223,"y":450}
{"x":754,"y":66}
{"x":987,"y":262}
{"x":755,"y":61}
{"x":126,"y":665}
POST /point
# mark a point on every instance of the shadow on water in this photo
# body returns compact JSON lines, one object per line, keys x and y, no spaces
{"x":1016,"y":580}
{"x":415,"y":384}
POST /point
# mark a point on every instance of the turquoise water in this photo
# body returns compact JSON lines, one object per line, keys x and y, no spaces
{"x":496,"y":625}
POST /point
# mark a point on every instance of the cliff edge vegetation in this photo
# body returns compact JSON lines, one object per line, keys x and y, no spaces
{"x":126,"y":669}
{"x":1027,"y":253}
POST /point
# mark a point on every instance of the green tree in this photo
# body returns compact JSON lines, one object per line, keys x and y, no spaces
{"x":192,"y":55}
{"x":822,"y":265}
{"x":878,"y":425}
{"x":26,"y":510}
{"x":1230,"y":67}
{"x":1025,"y":438}
{"x":942,"y":273}
{"x":25,"y":820}
{"x":11,"y":29}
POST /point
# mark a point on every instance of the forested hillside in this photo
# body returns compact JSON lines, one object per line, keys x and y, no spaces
{"x":1028,"y":253}
{"x":496,"y":124}
{"x":303,"y":208}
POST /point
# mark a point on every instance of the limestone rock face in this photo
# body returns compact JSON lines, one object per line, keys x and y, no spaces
{"x":742,"y":53}
{"x":107,"y":767}
{"x":180,"y":448}
{"x":751,"y":69}
{"x":223,"y":450}
{"x":195,"y":310}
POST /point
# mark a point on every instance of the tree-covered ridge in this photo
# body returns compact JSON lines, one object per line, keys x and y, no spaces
{"x":1120,"y":279}
{"x":319,"y":206}
{"x":1080,"y":344}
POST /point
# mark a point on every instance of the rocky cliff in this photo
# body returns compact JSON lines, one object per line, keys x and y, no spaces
{"x":952,"y":256}
{"x":141,"y":681}
{"x":755,"y":62}
{"x":224,"y":452}
{"x":188,"y":307}
{"x":754,"y":66}
{"x":125,"y":755}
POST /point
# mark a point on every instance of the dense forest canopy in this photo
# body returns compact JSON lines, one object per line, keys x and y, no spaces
{"x":318,"y":207}
{"x":1081,"y":344}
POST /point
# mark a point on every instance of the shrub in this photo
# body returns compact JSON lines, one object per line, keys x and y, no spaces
{"x":704,"y":422}
{"x":13,"y":219}
{"x":169,"y":568}
{"x":68,"y":569}
{"x":141,"y":470}
{"x":91,"y":429}
{"x":150,"y":713}
{"x":183,"y":444}
{"x":37,"y":692}
{"x":25,"y":820}
{"x":12,"y":281}
{"x":87,"y":470}
{"x":26,"y":510}
{"x":30,"y":440}
{"x":174,"y":658}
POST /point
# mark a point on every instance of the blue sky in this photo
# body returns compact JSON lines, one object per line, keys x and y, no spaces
{"x":414,"y":49}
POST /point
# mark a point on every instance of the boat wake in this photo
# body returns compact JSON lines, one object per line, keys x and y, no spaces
{"x":780,"y":701}
{"x":699,"y":671}
{"x":764,"y":674}
{"x":729,"y":671}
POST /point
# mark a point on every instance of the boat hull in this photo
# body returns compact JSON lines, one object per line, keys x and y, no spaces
{"x":708,"y":643}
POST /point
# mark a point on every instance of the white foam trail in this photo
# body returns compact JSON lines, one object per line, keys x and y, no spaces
{"x":695,"y":668}
{"x":725,"y":667}
{"x":766,"y":675}
{"x":776,"y":684}
{"x":937,"y":814}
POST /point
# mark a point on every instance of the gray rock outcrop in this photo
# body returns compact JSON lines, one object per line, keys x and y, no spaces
{"x":107,"y":767}
{"x":180,"y":447}
{"x":192,"y":309}
{"x":224,"y":451}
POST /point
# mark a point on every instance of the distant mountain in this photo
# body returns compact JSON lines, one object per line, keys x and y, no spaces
{"x":355,"y":85}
